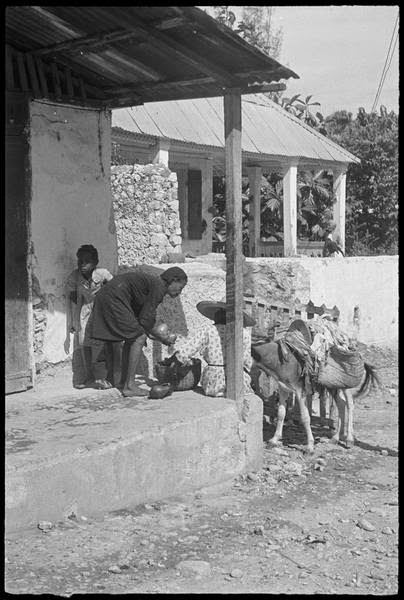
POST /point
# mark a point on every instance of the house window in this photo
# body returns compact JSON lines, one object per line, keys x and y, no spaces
{"x":194,"y":204}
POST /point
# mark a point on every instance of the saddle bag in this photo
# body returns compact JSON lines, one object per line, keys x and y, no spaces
{"x":342,"y":369}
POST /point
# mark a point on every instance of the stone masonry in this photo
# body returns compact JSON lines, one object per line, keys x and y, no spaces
{"x":146,"y":214}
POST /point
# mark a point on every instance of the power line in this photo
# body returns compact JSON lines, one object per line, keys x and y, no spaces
{"x":386,"y":71}
{"x":385,"y":67}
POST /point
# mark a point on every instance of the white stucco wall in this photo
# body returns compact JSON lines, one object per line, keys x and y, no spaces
{"x":369,"y":282}
{"x":71,"y":202}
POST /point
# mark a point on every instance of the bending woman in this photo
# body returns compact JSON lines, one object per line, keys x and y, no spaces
{"x":209,"y":341}
{"x":125,"y":310}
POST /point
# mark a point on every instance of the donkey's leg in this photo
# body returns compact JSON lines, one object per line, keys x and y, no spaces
{"x":334,"y":422}
{"x":305,"y":418}
{"x":340,"y":425}
{"x":323,"y":396}
{"x":289,"y":409}
{"x":350,"y":408}
{"x":276,"y":440}
{"x":309,"y":403}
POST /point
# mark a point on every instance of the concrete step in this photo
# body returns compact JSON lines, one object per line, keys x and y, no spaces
{"x":85,"y":452}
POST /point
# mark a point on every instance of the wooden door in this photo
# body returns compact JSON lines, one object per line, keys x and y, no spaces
{"x":19,"y":368}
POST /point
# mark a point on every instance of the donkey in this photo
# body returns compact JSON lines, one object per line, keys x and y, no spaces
{"x":290,"y":375}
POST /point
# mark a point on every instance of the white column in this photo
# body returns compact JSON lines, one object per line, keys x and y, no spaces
{"x":339,"y":188}
{"x":290,"y":210}
{"x":160,"y":152}
{"x":207,"y":201}
{"x":254,"y":178}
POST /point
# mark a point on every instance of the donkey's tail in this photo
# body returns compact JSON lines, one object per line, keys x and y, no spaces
{"x":370,"y":382}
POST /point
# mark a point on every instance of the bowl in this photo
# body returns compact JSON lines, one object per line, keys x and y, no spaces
{"x":160,"y":390}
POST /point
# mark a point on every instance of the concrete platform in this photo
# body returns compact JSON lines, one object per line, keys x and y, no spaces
{"x":89,"y":451}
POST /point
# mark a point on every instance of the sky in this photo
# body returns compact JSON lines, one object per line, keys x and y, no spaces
{"x":339,"y":53}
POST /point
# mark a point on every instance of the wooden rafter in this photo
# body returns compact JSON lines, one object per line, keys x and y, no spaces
{"x":33,"y":76}
{"x":69,"y":82}
{"x":56,"y":80}
{"x":167,"y":44}
{"x":42,"y":78}
{"x":9,"y":68}
{"x":88,"y":42}
{"x":22,"y":72}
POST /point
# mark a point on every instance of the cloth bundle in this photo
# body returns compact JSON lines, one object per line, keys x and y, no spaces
{"x":327,"y":334}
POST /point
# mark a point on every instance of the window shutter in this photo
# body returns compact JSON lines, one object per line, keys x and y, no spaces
{"x":194,"y":204}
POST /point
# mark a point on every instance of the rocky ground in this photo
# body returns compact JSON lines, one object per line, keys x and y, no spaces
{"x":306,"y":524}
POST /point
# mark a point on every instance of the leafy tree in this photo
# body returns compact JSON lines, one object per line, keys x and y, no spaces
{"x":372,"y":185}
{"x":257,"y":28}
{"x":224,"y":15}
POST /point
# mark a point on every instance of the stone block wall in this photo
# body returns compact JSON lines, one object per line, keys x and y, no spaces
{"x":39,"y":311}
{"x":146,"y":213}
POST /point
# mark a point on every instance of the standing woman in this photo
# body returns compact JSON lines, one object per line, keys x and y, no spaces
{"x":125,"y":310}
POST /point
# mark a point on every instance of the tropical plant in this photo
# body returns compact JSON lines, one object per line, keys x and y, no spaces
{"x":314,"y":204}
{"x":218,"y":210}
{"x":272,"y":206}
{"x":372,"y":185}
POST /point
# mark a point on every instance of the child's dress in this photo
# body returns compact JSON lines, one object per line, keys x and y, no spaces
{"x":80,"y":293}
{"x":84,"y":290}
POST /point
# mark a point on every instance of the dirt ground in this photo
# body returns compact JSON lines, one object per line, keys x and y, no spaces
{"x":325,"y":523}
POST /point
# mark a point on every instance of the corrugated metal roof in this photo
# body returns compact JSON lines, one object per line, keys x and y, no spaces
{"x":128,"y":55}
{"x":267,"y":128}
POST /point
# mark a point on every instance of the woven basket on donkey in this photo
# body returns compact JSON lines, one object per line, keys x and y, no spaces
{"x":342,"y":369}
{"x":181,"y":377}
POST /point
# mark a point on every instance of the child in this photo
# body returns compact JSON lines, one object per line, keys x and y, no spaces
{"x":81,"y":286}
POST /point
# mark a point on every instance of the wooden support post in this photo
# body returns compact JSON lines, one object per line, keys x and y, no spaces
{"x":339,"y":187}
{"x":161,"y":152}
{"x":234,"y":256}
{"x":207,"y":201}
{"x":290,"y":210}
{"x":254,"y":177}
